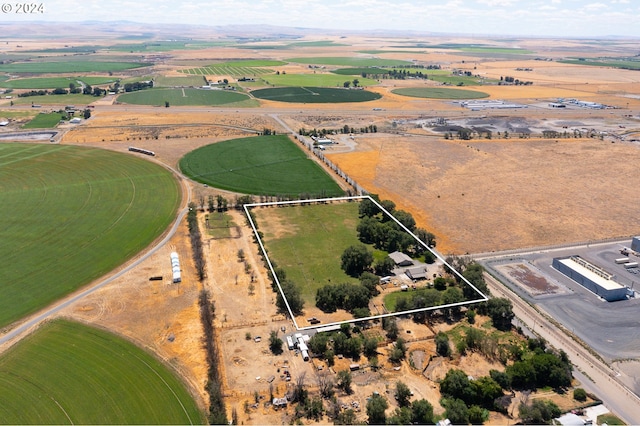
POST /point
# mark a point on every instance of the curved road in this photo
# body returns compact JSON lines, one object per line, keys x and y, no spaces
{"x":595,"y":376}
{"x":36,"y":319}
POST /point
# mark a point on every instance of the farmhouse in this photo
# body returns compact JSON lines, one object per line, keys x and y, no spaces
{"x":416,"y":273}
{"x":401,"y":259}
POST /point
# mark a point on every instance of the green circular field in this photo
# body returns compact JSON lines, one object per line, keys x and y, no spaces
{"x":183,"y":97}
{"x":72,"y":214}
{"x":69,"y":373}
{"x":439,"y":93}
{"x":315,"y":95}
{"x":260,"y":165}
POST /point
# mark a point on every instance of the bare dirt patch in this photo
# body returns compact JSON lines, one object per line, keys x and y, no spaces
{"x":158,"y":315}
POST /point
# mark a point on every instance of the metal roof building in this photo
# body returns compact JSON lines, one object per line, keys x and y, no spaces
{"x":401,"y":259}
{"x":590,"y":277}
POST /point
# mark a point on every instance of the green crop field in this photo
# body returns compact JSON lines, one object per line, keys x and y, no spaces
{"x":315,"y":95}
{"x":610,"y":63}
{"x":310,"y":254}
{"x":69,"y":373}
{"x":16,"y":114}
{"x":360,"y":71}
{"x":349,"y":61}
{"x":260,"y":165}
{"x":72,"y":215}
{"x":44,"y":121}
{"x":315,"y":80}
{"x":188,"y":80}
{"x":53,"y":82}
{"x":164,"y":46}
{"x":319,"y":43}
{"x":230,"y":70}
{"x":439,"y":93}
{"x":74,"y":99}
{"x":68,"y":67}
{"x":255,"y":63}
{"x":181,"y":97}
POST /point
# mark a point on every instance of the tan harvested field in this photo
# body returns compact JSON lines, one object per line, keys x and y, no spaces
{"x":492,"y":195}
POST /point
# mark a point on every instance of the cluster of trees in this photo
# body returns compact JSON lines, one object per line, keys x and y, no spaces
{"x":385,"y":234}
{"x":73,"y":89}
{"x":545,"y":367}
{"x":539,"y":412}
{"x":196,"y":240}
{"x":347,"y":342}
{"x":426,"y":298}
{"x":407,"y":412}
{"x":217,"y":411}
{"x":515,"y":81}
{"x":138,"y":85}
{"x":355,"y":83}
{"x":351,"y":297}
{"x":469,"y":400}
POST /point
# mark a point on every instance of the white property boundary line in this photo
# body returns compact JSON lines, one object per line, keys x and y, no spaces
{"x":483,"y":297}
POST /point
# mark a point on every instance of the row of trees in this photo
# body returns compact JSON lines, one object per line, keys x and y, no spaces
{"x":371,"y":128}
{"x":196,"y":240}
{"x":217,"y":411}
{"x":138,"y":85}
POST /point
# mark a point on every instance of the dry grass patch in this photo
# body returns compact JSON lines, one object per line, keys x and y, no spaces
{"x":492,"y":195}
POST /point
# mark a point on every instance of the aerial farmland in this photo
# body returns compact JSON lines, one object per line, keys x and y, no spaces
{"x":240,"y":158}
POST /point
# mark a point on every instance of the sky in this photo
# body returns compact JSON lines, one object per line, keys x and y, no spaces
{"x":562,"y":18}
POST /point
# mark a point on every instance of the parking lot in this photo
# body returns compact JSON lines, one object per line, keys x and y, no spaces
{"x":610,"y":328}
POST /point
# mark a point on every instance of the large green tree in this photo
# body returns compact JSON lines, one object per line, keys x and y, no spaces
{"x":356,"y":259}
{"x":376,"y":407}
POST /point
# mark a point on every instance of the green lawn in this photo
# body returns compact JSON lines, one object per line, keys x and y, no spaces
{"x":315,"y":80}
{"x":44,"y":121}
{"x":69,"y":67}
{"x":73,"y":214}
{"x":220,"y":224}
{"x":69,"y":373}
{"x":181,"y":97}
{"x":349,"y":61}
{"x":310,"y":248}
{"x":439,"y":93}
{"x":315,"y":95}
{"x":264,"y":165}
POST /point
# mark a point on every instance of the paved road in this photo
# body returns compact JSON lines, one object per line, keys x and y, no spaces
{"x":31,"y":322}
{"x":594,"y":374}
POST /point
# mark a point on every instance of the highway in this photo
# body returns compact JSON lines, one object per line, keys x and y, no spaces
{"x":596,"y":376}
